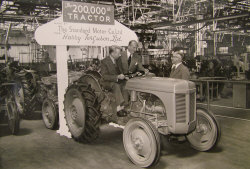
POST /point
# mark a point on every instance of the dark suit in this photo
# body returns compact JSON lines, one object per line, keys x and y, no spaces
{"x":109,"y":72}
{"x":135,"y":65}
{"x":181,"y":72}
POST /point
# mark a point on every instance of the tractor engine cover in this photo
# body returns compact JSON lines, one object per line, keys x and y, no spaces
{"x":177,"y":96}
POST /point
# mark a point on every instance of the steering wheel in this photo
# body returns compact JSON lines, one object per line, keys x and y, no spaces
{"x":132,"y":75}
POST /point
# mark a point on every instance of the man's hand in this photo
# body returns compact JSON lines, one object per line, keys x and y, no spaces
{"x":121,"y":77}
{"x":146,"y":71}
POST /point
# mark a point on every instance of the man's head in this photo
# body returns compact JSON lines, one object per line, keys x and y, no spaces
{"x":132,"y":46}
{"x":115,"y":52}
{"x":177,"y":55}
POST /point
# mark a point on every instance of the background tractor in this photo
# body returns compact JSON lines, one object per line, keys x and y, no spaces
{"x":10,"y":101}
{"x":48,"y":96}
{"x":157,"y":106}
{"x":18,"y":89}
{"x":47,"y":93}
{"x":49,"y":99}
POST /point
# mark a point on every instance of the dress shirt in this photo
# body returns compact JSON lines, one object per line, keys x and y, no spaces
{"x":176,"y":65}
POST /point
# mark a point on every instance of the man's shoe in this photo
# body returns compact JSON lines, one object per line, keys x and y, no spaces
{"x":122,"y":113}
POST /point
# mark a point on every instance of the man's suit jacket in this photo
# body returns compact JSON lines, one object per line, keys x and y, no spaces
{"x":135,"y":65}
{"x":109,"y":70}
{"x":181,"y":72}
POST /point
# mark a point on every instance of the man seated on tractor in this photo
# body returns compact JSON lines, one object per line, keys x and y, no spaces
{"x":131,"y":62}
{"x":113,"y":79}
{"x":179,"y":71}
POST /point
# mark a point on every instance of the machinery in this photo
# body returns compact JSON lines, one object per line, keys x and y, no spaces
{"x":49,"y":100}
{"x":9,"y":105}
{"x":28,"y":87}
{"x":17,"y":94}
{"x":48,"y":96}
{"x":157,"y":106}
{"x":10,"y":102}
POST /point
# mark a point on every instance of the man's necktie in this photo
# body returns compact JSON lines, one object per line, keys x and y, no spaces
{"x":129,"y":60}
{"x":173,"y":69}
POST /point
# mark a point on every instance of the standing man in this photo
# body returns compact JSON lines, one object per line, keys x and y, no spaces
{"x":179,"y":71}
{"x":112,"y":78}
{"x":130,"y":62}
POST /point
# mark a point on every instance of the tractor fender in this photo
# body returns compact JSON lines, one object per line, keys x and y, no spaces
{"x":91,"y":80}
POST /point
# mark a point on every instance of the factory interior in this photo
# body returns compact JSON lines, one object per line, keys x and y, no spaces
{"x":57,"y":57}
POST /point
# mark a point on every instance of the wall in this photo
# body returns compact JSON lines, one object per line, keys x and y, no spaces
{"x":19,"y":48}
{"x":24,"y":51}
{"x":83,"y":52}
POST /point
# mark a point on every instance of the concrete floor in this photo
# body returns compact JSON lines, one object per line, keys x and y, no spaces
{"x":39,"y":148}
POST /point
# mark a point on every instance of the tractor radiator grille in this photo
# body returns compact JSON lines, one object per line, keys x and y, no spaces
{"x":180,"y":103}
{"x":191,"y":107}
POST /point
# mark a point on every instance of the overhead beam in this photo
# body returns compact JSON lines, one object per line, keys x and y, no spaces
{"x":163,"y":26}
{"x":178,"y":12}
{"x":6,"y":42}
{"x":21,"y":18}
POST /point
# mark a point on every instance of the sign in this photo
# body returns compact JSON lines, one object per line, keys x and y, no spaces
{"x":79,"y":12}
{"x":58,"y":32}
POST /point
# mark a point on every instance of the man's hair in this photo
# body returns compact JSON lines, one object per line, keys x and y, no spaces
{"x":113,"y":48}
{"x":132,"y":41}
{"x":180,"y":50}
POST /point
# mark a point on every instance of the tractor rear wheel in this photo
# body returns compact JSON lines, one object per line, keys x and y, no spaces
{"x":82,"y":112}
{"x":19,"y":97}
{"x":29,"y":93}
{"x":50,"y":114}
{"x":142,"y":142}
{"x":207,"y":133}
{"x":12,"y":113}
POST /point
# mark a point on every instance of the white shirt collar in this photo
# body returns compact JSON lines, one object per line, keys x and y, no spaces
{"x":128,"y":53}
{"x":176,"y":65}
{"x":113,"y":60}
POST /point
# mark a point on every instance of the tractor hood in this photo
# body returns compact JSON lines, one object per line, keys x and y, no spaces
{"x":160,"y":84}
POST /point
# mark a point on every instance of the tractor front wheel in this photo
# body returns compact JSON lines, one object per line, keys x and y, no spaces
{"x":50,"y":114}
{"x":207,"y":132}
{"x":142,"y":142}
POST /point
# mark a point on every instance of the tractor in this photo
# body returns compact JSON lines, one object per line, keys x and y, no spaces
{"x":10,"y":101}
{"x":47,"y":95}
{"x":17,"y":93}
{"x":48,"y":98}
{"x":157,"y":106}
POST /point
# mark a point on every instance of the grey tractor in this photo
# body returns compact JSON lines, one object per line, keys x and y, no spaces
{"x":157,"y":106}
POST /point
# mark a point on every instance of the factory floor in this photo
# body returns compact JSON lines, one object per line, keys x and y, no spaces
{"x":36,"y":147}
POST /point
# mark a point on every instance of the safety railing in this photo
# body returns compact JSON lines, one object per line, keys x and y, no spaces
{"x":212,"y":84}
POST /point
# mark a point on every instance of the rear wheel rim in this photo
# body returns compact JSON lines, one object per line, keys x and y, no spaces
{"x":75,"y":112}
{"x":11,"y":116}
{"x":49,"y":113}
{"x":19,"y":97}
{"x":13,"y":119}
